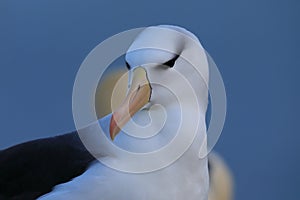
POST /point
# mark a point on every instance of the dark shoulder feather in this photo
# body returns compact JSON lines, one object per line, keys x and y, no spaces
{"x":31,"y":169}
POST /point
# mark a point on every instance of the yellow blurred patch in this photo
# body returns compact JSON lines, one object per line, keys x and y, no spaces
{"x":114,"y":81}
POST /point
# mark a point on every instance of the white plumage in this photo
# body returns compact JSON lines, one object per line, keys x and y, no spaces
{"x":187,"y":178}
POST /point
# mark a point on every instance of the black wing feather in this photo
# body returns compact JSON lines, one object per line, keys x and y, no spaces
{"x":31,"y":169}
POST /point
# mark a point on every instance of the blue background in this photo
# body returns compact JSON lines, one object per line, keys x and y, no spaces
{"x":255,"y":44}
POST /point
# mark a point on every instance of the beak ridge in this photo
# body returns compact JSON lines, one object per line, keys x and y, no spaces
{"x":138,"y":95}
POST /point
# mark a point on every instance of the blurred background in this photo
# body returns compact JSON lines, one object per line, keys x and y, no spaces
{"x":254,"y":43}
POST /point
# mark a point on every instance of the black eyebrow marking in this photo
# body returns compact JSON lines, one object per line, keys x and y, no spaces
{"x":127,"y":65}
{"x":171,"y":62}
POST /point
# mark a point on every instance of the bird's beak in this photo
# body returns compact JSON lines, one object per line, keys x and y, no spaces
{"x":138,"y":95}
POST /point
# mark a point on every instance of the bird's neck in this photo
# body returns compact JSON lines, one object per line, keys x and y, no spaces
{"x":154,"y":127}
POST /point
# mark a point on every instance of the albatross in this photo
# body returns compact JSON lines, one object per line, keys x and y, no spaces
{"x":157,"y":54}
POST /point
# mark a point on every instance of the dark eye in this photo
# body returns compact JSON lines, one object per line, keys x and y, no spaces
{"x":171,"y":62}
{"x":127,"y":65}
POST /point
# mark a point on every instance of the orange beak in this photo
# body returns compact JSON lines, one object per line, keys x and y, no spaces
{"x":139,"y":95}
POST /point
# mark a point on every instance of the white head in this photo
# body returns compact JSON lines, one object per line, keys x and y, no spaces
{"x":157,"y":59}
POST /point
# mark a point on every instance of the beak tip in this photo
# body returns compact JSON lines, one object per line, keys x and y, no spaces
{"x":112,"y":136}
{"x":112,"y":128}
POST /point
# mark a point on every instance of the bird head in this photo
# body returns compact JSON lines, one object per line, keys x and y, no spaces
{"x":156,"y":56}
